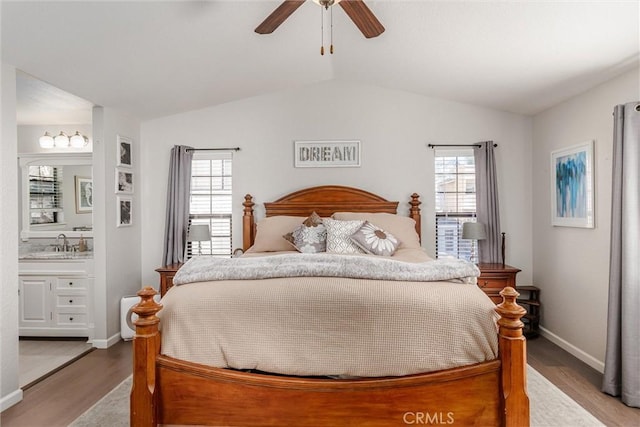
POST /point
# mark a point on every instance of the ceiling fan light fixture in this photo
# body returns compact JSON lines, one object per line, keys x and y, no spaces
{"x":326,"y":3}
{"x":46,"y":141}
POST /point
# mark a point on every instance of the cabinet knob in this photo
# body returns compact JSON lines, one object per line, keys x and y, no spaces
{"x":70,"y":301}
{"x":70,"y":319}
{"x":70,"y":283}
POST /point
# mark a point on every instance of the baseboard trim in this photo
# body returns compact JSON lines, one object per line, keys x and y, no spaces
{"x":575,"y":351}
{"x":11,"y":399}
{"x":102,"y":344}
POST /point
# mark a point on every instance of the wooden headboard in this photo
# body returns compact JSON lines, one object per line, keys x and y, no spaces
{"x":325,"y":200}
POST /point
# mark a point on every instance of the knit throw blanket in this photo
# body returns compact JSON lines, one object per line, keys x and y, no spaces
{"x":202,"y":269}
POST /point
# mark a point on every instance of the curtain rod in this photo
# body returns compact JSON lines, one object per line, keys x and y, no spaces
{"x":457,"y":145}
{"x":214,"y":149}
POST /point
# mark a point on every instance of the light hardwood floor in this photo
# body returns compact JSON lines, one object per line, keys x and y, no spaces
{"x":39,"y":358}
{"x":61,"y":398}
{"x":580,"y":382}
{"x":65,"y":395}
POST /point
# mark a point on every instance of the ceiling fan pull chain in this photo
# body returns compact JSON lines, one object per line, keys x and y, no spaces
{"x":331,"y":32}
{"x":321,"y":32}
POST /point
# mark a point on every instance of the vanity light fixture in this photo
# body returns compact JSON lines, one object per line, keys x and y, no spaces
{"x":78,"y":141}
{"x":63,"y":140}
{"x":46,"y":140}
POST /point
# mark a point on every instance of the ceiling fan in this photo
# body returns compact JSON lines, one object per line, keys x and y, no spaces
{"x":359,"y":13}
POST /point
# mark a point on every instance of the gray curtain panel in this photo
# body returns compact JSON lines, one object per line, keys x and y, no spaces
{"x":177,"y":219}
{"x":622,"y":359}
{"x":487,"y":205}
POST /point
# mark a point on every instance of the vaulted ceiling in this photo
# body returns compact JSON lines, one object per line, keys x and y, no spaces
{"x":156,"y":58}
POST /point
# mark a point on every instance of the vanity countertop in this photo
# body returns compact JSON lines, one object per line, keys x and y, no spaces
{"x":56,"y":256}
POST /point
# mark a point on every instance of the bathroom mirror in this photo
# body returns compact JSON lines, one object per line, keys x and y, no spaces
{"x":56,"y":194}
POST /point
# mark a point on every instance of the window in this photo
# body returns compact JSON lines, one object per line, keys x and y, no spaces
{"x":45,"y":195}
{"x":210,"y":202}
{"x":455,"y":178}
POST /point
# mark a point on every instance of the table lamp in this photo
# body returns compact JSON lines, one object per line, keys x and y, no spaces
{"x":473,"y":231}
{"x":199,"y":233}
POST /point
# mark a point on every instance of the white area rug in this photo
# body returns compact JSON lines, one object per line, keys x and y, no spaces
{"x":550,"y":407}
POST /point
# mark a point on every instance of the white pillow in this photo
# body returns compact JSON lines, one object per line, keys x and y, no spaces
{"x":339,"y":236}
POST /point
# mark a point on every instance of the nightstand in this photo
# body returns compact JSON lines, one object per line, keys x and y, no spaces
{"x":495,"y":277}
{"x":530,"y":299}
{"x":166,"y":276}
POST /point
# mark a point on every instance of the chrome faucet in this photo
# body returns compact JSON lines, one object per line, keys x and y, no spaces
{"x":65,"y":243}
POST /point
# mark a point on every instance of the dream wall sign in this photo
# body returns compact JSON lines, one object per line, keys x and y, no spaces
{"x":323,"y":154}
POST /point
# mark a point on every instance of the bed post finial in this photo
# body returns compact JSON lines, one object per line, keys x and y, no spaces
{"x":414,"y":212}
{"x":146,"y":347}
{"x":248,"y":223}
{"x":513,"y":354}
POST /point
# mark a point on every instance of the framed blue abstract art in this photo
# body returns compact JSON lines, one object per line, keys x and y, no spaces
{"x":572,"y":190}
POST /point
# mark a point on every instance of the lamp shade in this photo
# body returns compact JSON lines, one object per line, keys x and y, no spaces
{"x":199,"y":233}
{"x":474,"y":231}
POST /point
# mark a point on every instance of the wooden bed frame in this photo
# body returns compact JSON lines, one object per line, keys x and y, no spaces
{"x":171,"y":391}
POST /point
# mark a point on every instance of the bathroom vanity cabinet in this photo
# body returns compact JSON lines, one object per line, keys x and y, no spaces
{"x":55,"y":298}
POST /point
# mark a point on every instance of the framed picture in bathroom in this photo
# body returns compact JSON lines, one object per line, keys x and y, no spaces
{"x":84,"y":195}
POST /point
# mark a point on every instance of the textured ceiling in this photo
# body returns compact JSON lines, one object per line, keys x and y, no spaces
{"x":156,"y":58}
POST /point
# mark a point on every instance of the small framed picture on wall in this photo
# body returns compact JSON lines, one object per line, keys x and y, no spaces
{"x":124,"y":181}
{"x":124,"y":211}
{"x":84,"y":194}
{"x":124,"y":147}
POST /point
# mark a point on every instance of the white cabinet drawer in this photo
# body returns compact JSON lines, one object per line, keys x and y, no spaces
{"x":72,"y":319}
{"x":72,"y":283}
{"x":71,"y":300}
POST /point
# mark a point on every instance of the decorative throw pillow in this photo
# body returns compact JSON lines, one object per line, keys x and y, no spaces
{"x":374,"y":240}
{"x":310,"y":236}
{"x":338,"y":236}
{"x":403,"y":227}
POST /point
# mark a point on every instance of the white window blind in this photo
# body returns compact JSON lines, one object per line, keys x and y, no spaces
{"x":210,"y":201}
{"x":45,"y":195}
{"x":455,"y":204}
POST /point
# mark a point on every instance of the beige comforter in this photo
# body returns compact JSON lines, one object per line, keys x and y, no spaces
{"x":330,"y":325}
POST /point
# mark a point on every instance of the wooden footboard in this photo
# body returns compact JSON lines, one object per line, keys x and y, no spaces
{"x":171,"y":391}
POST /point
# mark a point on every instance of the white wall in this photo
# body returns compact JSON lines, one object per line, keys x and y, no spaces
{"x":571,"y":265}
{"x":394,"y":128}
{"x":10,"y":392}
{"x":116,"y":249}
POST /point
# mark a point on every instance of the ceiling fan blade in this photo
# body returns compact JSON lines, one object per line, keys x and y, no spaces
{"x":278,"y":16}
{"x":362,"y":16}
